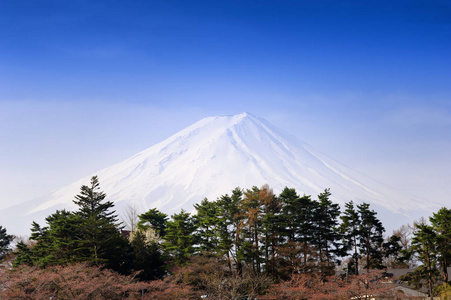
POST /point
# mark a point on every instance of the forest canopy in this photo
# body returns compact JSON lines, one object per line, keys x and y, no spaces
{"x":252,"y":240}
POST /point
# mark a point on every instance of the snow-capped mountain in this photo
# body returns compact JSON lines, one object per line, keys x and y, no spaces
{"x":212,"y":157}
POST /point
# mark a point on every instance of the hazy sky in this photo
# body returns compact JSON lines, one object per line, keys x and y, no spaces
{"x":85,"y":84}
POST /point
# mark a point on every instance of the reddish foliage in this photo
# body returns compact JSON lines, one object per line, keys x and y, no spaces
{"x":81,"y":281}
{"x":313,"y":287}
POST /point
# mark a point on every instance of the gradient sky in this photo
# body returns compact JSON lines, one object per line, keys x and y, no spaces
{"x":85,"y":84}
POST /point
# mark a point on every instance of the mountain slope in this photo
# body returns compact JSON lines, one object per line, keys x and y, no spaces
{"x":212,"y":157}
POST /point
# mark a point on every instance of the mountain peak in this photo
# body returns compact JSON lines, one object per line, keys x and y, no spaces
{"x":209,"y":159}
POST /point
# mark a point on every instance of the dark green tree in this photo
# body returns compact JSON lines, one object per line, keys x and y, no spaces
{"x":424,"y":245}
{"x":63,"y":237}
{"x":155,"y":219}
{"x":441,"y":223}
{"x":206,"y":221}
{"x":24,"y":255}
{"x":371,"y":236}
{"x":5,"y":241}
{"x":291,"y":209}
{"x":391,"y":249}
{"x":230,"y":227}
{"x":147,"y":256}
{"x":350,"y":231}
{"x":179,"y":238}
{"x":325,"y":232}
{"x":272,"y":228}
{"x":297,"y":220}
{"x":252,"y":221}
{"x":100,"y":241}
{"x":42,"y":253}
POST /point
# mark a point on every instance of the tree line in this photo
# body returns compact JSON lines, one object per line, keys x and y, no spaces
{"x":250,"y":232}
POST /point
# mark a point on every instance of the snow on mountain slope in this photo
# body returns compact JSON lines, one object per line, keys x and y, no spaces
{"x":212,"y":157}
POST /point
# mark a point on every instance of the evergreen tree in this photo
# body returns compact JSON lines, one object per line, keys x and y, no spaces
{"x":24,"y":255}
{"x":350,"y":230}
{"x":63,"y":237}
{"x":5,"y":241}
{"x":147,"y":255}
{"x":179,"y":238}
{"x":42,"y":253}
{"x":424,"y":245}
{"x":100,"y":242}
{"x":252,"y":218}
{"x":441,"y":223}
{"x":297,"y":217}
{"x":272,"y":227}
{"x":326,"y":234}
{"x":155,"y":219}
{"x":230,"y":226}
{"x":291,"y":211}
{"x":391,"y":249}
{"x":371,"y":239}
{"x":206,"y":221}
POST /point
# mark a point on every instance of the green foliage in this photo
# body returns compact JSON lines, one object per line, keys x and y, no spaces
{"x":350,"y":232}
{"x":392,"y":248}
{"x":229,"y":228}
{"x":325,"y":232}
{"x":147,"y":256}
{"x":155,"y":219}
{"x":424,"y":245}
{"x":251,"y":233}
{"x":431,"y":246}
{"x":100,"y":241}
{"x":5,"y":241}
{"x":90,"y":234}
{"x":179,"y":238}
{"x":272,"y":228}
{"x":207,"y":222}
{"x":441,"y":223}
{"x":24,"y":255}
{"x":371,"y":237}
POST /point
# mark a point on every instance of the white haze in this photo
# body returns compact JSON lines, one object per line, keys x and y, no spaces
{"x":211,"y":158}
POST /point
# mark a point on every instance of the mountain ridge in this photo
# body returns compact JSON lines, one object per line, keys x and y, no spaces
{"x":215,"y":155}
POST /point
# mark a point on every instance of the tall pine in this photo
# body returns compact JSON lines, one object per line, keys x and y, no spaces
{"x":5,"y":240}
{"x":441,"y":223}
{"x":179,"y":239}
{"x":326,"y":234}
{"x":100,"y":237}
{"x":350,"y":230}
{"x":371,"y":236}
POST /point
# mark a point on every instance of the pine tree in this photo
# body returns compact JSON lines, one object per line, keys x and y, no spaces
{"x":441,"y":223}
{"x":350,"y":230}
{"x":272,"y":227}
{"x":5,"y":241}
{"x":230,"y":226}
{"x":100,"y":241}
{"x":155,"y":219}
{"x":24,"y":255}
{"x":42,"y":253}
{"x":297,"y":216}
{"x":391,"y":249}
{"x":206,"y":221}
{"x":424,"y":244}
{"x":252,"y":218}
{"x":291,"y":211}
{"x":58,"y":242}
{"x":326,"y":234}
{"x":147,"y":256}
{"x":179,"y":238}
{"x":371,"y":239}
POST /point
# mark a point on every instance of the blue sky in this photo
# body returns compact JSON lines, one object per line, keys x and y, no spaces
{"x":85,"y":84}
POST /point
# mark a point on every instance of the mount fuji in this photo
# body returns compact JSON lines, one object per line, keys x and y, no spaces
{"x":211,"y":158}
